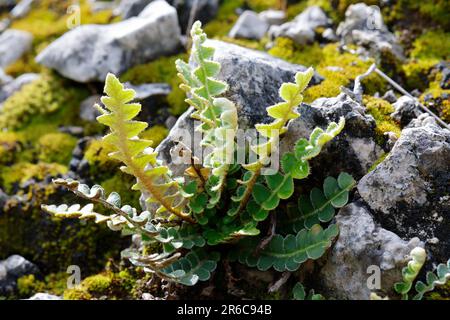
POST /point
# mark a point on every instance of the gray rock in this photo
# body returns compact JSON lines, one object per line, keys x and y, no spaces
{"x":249,"y":26}
{"x":362,"y":243}
{"x":4,"y":78}
{"x":409,"y":191}
{"x":203,"y":10}
{"x":97,"y":5}
{"x":11,"y":269}
{"x":302,"y":28}
{"x":130,"y":8}
{"x":254,"y":79}
{"x":21,"y":9}
{"x":423,"y":120}
{"x":329,"y":35}
{"x":273,"y":17}
{"x":147,"y":90}
{"x":13,"y":44}
{"x":87,"y":110}
{"x":87,"y":53}
{"x":3,"y":198}
{"x":389,"y":96}
{"x":8,"y":89}
{"x":354,"y":150}
{"x":406,"y":109}
{"x":44,"y":296}
{"x":364,"y":26}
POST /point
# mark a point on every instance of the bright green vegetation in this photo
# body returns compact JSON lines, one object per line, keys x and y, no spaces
{"x":381,"y":110}
{"x":223,"y":202}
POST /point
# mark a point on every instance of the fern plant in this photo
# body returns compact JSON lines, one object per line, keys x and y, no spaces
{"x":218,"y":201}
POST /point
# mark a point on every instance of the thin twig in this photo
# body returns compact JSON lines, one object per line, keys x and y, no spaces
{"x":280,"y":282}
{"x":270,"y":234}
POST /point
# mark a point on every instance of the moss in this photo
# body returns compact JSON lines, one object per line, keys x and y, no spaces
{"x":381,"y":109}
{"x":108,"y":284}
{"x":433,"y":44}
{"x":56,"y":147}
{"x":54,"y":283}
{"x":50,"y":94}
{"x":156,"y":134}
{"x":28,"y":285}
{"x":439,"y":293}
{"x":225,"y":19}
{"x":101,"y":165}
{"x":23,"y":171}
{"x":424,"y":13}
{"x":433,"y":97}
{"x":161,"y":70}
{"x":9,"y":145}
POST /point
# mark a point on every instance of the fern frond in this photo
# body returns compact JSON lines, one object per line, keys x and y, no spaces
{"x":218,"y":115}
{"x":139,"y":159}
{"x":411,"y":271}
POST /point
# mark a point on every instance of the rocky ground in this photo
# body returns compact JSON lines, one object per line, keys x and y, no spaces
{"x":52,"y":72}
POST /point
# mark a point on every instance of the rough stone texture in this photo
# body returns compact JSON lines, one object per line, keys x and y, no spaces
{"x":354,"y":150}
{"x":44,"y":296}
{"x":302,"y":28}
{"x":13,"y":44}
{"x":131,"y":8}
{"x":11,"y":269}
{"x":273,"y":17}
{"x":364,"y":26}
{"x":389,"y":96}
{"x":406,"y":109}
{"x":8,"y":89}
{"x":205,"y":11}
{"x":4,"y":78}
{"x":362,"y":243}
{"x":329,"y":35}
{"x":409,"y":191}
{"x":249,"y":26}
{"x":89,"y":52}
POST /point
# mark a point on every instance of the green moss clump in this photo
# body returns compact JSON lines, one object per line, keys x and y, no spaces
{"x":56,"y":147}
{"x":49,"y":94}
{"x":108,"y":284}
{"x":381,"y":109}
{"x":435,"y":93}
{"x":54,"y":283}
{"x":101,"y":165}
{"x":23,"y":171}
{"x":157,"y":71}
{"x":9,"y":145}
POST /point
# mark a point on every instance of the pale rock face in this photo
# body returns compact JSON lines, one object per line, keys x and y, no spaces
{"x":89,"y":52}
{"x":249,"y":26}
{"x":13,"y":44}
{"x":362,"y":247}
{"x":409,"y":190}
{"x":364,"y":26}
{"x":302,"y":28}
{"x":273,"y":17}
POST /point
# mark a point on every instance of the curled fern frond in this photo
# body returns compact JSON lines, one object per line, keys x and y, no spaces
{"x":410,"y":272}
{"x":139,"y":159}
{"x":124,"y":216}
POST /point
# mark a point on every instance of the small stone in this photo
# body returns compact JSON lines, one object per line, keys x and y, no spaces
{"x":389,"y":96}
{"x":273,"y":17}
{"x":406,"y":109}
{"x":44,"y":296}
{"x":87,"y":110}
{"x":249,"y":26}
{"x":13,"y":44}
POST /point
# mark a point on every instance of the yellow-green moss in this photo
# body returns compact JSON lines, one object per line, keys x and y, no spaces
{"x":380,"y":109}
{"x":9,"y":145}
{"x":157,"y":71}
{"x":96,"y":155}
{"x":156,"y":133}
{"x":435,"y":92}
{"x":56,"y":147}
{"x":54,"y":283}
{"x":107,"y":284}
{"x":23,"y":171}
{"x":432,"y":45}
{"x":47,"y":95}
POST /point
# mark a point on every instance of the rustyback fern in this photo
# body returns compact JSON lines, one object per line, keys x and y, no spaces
{"x":217,"y":201}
